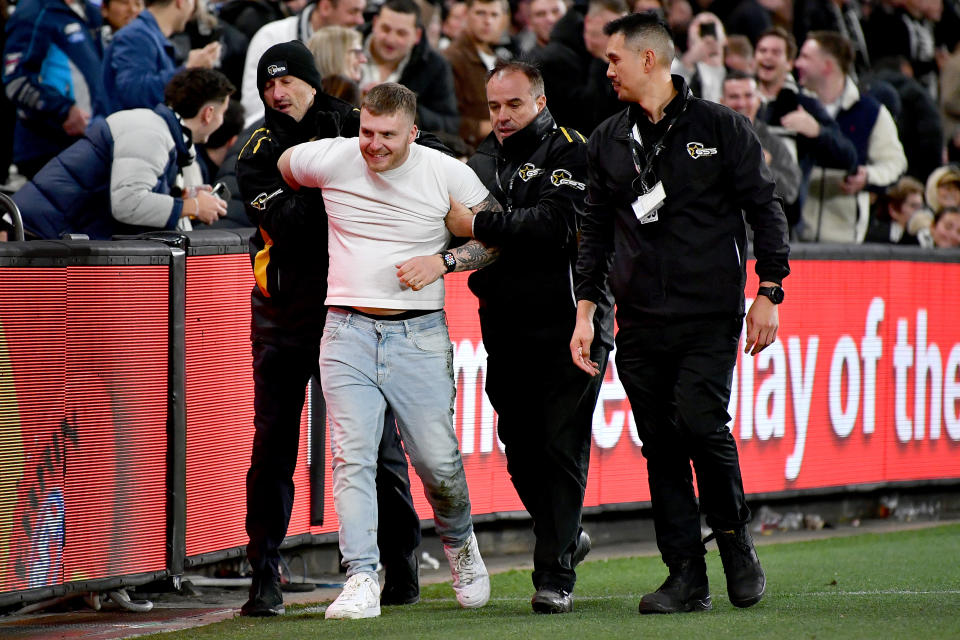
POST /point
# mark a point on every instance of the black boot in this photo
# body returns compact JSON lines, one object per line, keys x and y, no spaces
{"x":583,"y":548}
{"x":552,"y":600}
{"x":401,"y":580}
{"x":685,"y":589}
{"x":265,"y":598}
{"x":745,"y":579}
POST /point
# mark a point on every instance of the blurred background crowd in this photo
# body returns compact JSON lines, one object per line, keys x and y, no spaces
{"x":856,"y":102}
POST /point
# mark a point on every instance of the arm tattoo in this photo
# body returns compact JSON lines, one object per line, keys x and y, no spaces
{"x":488,"y":204}
{"x":474,"y":255}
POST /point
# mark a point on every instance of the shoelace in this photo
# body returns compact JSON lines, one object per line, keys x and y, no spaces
{"x":735,"y":540}
{"x":353,"y":586}
{"x":464,"y":565}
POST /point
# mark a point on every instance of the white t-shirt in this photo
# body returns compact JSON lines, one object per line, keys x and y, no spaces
{"x":379,"y":220}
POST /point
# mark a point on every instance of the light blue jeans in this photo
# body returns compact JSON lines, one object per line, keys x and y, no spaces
{"x":366,"y":364}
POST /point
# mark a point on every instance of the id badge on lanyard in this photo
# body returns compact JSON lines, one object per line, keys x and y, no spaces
{"x":646,"y":206}
{"x":648,"y":203}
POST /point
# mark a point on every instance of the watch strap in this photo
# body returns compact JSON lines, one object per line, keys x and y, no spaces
{"x":774,"y":294}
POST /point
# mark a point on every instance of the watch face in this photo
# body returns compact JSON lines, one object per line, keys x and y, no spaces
{"x":775,"y":294}
{"x":449,"y":261}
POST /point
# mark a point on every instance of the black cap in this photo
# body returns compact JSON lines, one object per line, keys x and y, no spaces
{"x":288,"y":59}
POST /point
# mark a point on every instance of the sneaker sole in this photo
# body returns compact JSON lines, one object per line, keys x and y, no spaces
{"x":350,"y":615}
{"x":476,"y":603}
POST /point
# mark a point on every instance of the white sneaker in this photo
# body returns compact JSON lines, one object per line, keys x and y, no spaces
{"x":471,"y":582}
{"x":360,"y":598}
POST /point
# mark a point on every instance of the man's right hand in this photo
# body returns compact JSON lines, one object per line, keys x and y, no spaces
{"x":459,"y":220}
{"x":801,"y":122}
{"x":210,"y":207}
{"x":583,"y":338}
{"x":76,"y":122}
{"x":205,"y":58}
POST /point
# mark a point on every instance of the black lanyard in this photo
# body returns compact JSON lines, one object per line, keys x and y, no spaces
{"x":508,"y":205}
{"x":636,"y":146}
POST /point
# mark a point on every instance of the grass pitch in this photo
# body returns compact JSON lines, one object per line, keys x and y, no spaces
{"x":894,"y":585}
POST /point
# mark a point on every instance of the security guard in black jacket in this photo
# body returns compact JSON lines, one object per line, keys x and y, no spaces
{"x":670,"y":180}
{"x":536,"y":169}
{"x":289,"y":256}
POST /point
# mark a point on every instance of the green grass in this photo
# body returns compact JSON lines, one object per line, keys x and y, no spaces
{"x":895,"y":585}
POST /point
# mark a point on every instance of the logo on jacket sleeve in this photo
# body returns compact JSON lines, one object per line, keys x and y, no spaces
{"x":527,"y":171}
{"x":697,"y":150}
{"x":260,"y":202}
{"x":562,"y":176}
{"x":11,"y":61}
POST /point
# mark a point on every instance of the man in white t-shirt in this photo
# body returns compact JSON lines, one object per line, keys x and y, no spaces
{"x":386,"y":339}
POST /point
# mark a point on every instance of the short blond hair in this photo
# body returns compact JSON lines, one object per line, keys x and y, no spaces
{"x":389,"y":98}
{"x":330,"y":46}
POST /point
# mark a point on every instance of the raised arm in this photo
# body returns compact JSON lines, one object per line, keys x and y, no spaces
{"x":283,"y":164}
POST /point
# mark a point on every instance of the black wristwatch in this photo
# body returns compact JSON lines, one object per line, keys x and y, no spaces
{"x":774,"y":293}
{"x":449,"y":261}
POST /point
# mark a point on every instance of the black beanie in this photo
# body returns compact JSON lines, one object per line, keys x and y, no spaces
{"x":288,"y":59}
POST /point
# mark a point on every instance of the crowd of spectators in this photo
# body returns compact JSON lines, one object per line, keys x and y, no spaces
{"x":856,"y":102}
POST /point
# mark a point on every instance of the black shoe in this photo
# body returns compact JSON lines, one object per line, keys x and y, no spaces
{"x":265,"y":599}
{"x":583,"y":548}
{"x":552,"y":600}
{"x":746,"y":582}
{"x":685,"y":589}
{"x":401,"y":581}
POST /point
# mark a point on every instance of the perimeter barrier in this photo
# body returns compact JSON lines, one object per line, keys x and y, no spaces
{"x":126,"y":403}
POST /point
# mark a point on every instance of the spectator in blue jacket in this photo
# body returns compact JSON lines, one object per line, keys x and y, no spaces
{"x":116,"y":15}
{"x":134,"y":170}
{"x":141,"y":60}
{"x":51,"y":74}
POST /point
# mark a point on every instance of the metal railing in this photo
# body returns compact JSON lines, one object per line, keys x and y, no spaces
{"x":7,"y":205}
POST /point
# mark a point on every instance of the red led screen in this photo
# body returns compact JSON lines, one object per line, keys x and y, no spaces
{"x":83,"y":409}
{"x":834,"y":402}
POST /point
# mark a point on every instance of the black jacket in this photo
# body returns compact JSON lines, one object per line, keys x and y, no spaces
{"x":289,"y":248}
{"x":692,"y":260}
{"x":537,"y":175}
{"x":428,"y":75}
{"x":578,"y":91}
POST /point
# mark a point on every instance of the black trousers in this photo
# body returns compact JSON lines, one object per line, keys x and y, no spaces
{"x":280,"y":375}
{"x":677,"y":375}
{"x":545,"y":406}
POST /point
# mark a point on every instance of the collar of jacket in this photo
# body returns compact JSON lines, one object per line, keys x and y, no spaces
{"x":154,"y":26}
{"x":520,"y":145}
{"x":850,"y":95}
{"x":182,"y":136}
{"x":464,"y":44}
{"x":635,"y":112}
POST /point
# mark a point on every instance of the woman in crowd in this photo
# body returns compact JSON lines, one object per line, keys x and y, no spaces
{"x":338,"y":52}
